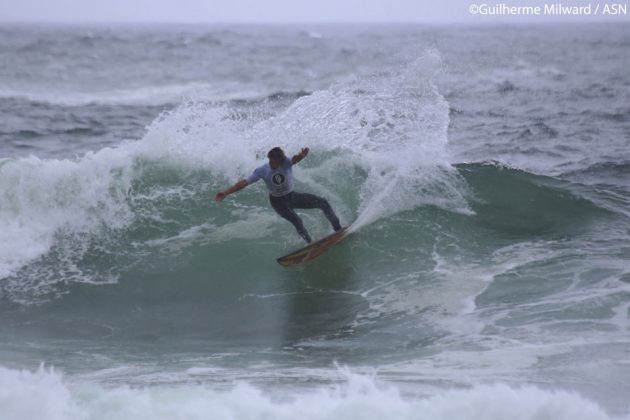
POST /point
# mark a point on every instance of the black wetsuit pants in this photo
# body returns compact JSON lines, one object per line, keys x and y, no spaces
{"x":285,"y":204}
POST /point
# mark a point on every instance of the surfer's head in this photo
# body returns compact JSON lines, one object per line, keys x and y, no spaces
{"x":276,"y":157}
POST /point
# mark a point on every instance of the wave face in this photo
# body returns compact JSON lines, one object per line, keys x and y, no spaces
{"x":489,"y":250}
{"x":193,"y":150}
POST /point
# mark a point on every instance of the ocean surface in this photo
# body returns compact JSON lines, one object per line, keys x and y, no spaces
{"x":486,"y":170}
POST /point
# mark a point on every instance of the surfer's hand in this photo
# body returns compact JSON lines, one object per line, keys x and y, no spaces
{"x":220,"y":196}
{"x":298,"y":158}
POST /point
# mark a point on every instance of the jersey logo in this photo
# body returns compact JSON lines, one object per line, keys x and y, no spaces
{"x":278,"y":179}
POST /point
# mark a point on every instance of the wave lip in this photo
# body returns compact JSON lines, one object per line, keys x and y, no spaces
{"x":45,"y":198}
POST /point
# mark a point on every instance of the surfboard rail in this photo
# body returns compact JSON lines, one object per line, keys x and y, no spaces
{"x":313,"y":250}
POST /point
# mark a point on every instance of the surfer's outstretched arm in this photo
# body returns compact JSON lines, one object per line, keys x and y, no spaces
{"x":295,"y":159}
{"x":234,"y":188}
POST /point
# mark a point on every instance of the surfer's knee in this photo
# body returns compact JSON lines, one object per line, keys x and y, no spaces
{"x":327,"y":209}
{"x":322,"y":203}
{"x":294,"y":219}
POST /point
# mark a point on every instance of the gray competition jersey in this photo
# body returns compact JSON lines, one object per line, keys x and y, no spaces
{"x":279,"y":181}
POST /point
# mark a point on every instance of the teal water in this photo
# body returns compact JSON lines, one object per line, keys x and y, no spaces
{"x":488,"y":271}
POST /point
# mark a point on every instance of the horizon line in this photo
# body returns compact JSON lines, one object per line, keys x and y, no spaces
{"x":465,"y":22}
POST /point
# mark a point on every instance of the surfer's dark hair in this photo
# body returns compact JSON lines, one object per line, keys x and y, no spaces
{"x":276,"y":152}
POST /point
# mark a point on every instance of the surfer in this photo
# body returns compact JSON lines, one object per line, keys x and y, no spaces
{"x":278,"y":177}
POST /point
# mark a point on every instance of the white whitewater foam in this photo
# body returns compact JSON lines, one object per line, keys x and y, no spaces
{"x":43,"y":198}
{"x":45,"y":394}
{"x":40,"y":198}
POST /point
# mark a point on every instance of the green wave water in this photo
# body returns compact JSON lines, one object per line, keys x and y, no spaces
{"x":119,"y":266}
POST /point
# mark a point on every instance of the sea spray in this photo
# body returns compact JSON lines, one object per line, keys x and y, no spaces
{"x":390,"y":125}
{"x":393,"y":125}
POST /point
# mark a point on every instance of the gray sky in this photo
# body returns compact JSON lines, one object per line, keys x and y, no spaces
{"x":272,"y":11}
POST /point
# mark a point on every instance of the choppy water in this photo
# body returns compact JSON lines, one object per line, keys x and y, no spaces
{"x":487,"y":169}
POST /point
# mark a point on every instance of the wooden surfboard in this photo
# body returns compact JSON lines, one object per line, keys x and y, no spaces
{"x":313,"y":250}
